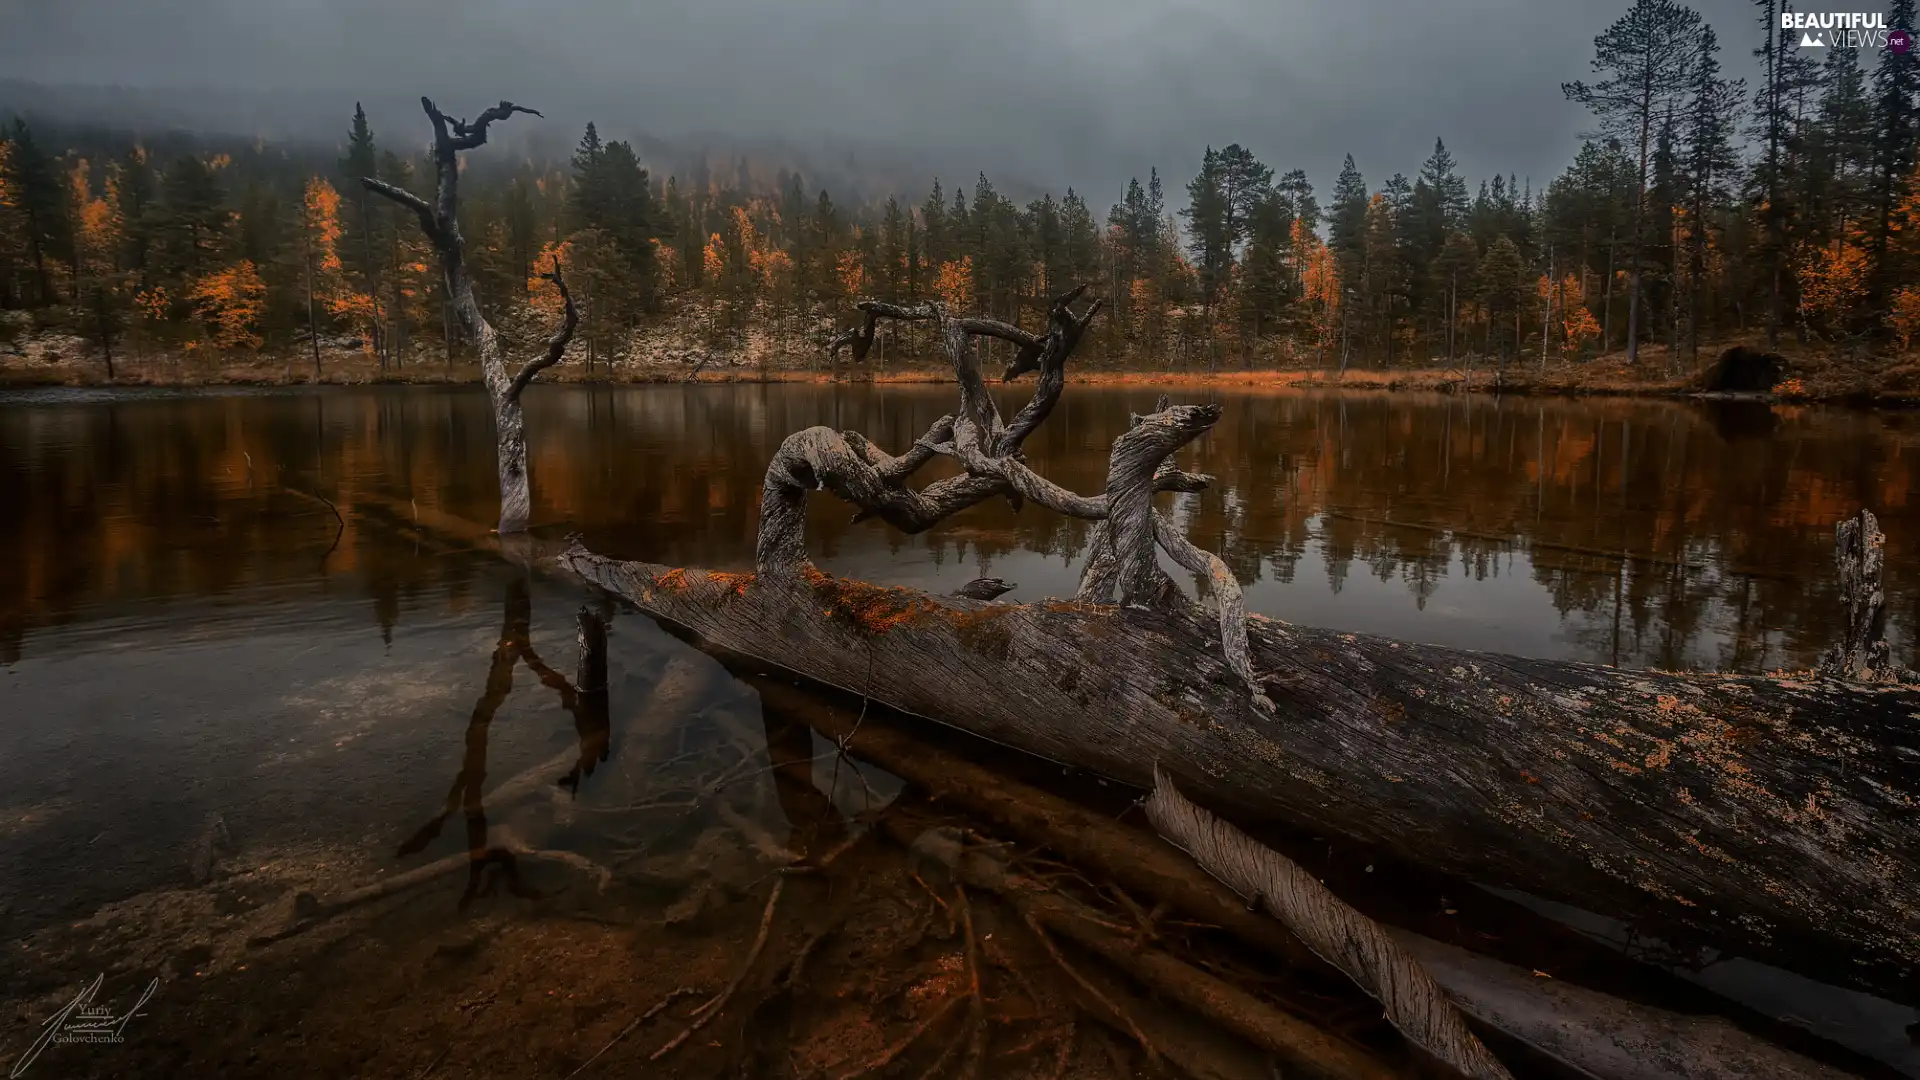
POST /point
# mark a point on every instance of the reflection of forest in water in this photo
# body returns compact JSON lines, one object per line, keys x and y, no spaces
{"x":1647,"y":533}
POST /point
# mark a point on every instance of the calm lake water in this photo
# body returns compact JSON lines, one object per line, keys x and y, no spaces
{"x":200,"y":662}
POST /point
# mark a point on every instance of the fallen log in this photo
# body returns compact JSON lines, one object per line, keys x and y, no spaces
{"x":1775,"y":816}
{"x":1299,"y":1043}
{"x":1595,"y":1033}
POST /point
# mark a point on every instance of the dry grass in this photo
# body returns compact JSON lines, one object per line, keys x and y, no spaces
{"x":1814,"y":373}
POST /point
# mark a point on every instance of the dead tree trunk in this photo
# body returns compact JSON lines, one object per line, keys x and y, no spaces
{"x":1775,"y":816}
{"x":1862,"y":653}
{"x":440,"y":222}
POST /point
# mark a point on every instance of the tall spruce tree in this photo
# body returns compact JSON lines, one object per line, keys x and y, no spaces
{"x":1896,"y":128}
{"x":1711,"y":161}
{"x":40,"y":202}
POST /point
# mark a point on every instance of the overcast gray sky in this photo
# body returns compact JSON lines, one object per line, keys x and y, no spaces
{"x":1050,"y":92}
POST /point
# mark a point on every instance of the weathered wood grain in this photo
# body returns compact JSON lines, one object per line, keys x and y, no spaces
{"x":440,"y":222}
{"x":1773,"y":816}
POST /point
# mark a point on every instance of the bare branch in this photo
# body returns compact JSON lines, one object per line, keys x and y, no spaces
{"x":467,"y":136}
{"x":1064,"y":330}
{"x":1227,"y":596}
{"x":557,"y":344}
{"x":409,"y":200}
{"x":1130,"y":482}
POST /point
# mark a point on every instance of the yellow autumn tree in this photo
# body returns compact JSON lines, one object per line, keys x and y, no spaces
{"x":850,"y":274}
{"x":953,"y":284}
{"x":231,"y":300}
{"x":1577,"y":324}
{"x":99,"y":285}
{"x":1833,"y":280}
{"x":327,"y":283}
{"x":1320,"y":283}
{"x":1905,"y":315}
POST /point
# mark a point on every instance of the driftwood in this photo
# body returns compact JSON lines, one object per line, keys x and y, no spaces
{"x":1601,"y":1035}
{"x":1596,"y":1033}
{"x":1355,"y":944}
{"x":440,"y":221}
{"x":1299,"y":1043}
{"x":1777,"y":817}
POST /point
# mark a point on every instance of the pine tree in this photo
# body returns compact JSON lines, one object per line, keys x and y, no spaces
{"x":1501,"y":282}
{"x":587,"y":195}
{"x":1080,"y":242}
{"x":1896,"y":128}
{"x":193,"y":220}
{"x":1209,"y":228}
{"x":39,"y":200}
{"x":889,"y":268}
{"x":1711,"y":160}
{"x":936,"y":242}
{"x":1648,"y":56}
{"x":1348,"y":241}
{"x":100,"y":283}
{"x":364,"y":240}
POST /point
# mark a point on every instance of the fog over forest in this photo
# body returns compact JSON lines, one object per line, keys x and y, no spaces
{"x":1040,"y":94}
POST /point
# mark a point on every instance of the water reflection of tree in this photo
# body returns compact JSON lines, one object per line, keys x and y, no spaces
{"x":150,"y":499}
{"x":585,"y":699}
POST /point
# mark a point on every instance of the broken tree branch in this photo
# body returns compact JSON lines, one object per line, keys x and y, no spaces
{"x":407,"y":199}
{"x":1345,"y":938}
{"x":440,"y":222}
{"x":1862,"y":654}
{"x":557,"y":344}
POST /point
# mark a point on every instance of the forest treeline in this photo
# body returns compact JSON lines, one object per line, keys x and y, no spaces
{"x":1699,"y":208}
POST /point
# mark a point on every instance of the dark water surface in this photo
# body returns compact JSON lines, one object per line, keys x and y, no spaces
{"x":202,"y":665}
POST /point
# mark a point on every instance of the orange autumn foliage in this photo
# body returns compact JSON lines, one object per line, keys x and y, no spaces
{"x":542,"y":295}
{"x":1833,"y":279}
{"x":953,"y":284}
{"x":1320,"y":281}
{"x":852,"y":276}
{"x":231,"y":301}
{"x":321,"y":220}
{"x":1905,"y":315}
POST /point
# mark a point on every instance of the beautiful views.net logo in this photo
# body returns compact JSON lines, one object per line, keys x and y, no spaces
{"x":1852,"y":29}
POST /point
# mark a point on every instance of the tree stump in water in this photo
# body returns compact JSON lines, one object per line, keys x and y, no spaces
{"x":1863,"y":654}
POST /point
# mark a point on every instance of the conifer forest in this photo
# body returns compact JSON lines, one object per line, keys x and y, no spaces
{"x":1013,"y":540}
{"x":1699,"y":209}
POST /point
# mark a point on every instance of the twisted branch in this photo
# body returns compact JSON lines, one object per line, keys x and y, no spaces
{"x":557,"y":344}
{"x":1355,"y":944}
{"x":1127,"y":530}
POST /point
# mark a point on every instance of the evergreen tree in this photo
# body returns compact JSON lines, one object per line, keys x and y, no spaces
{"x":1896,"y":128}
{"x":40,"y":202}
{"x":1711,"y":160}
{"x":936,"y":238}
{"x":363,"y":237}
{"x":1080,"y":243}
{"x":193,"y":220}
{"x":1647,"y":56}
{"x":1348,"y":240}
{"x":1501,"y":281}
{"x":1209,"y":228}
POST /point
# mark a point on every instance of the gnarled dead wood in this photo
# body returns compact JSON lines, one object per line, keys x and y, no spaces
{"x":1357,"y":945}
{"x":1775,"y":816}
{"x":1300,"y":1043}
{"x":1862,"y":653}
{"x":1605,"y":1035}
{"x":440,"y":222}
{"x":989,"y":449}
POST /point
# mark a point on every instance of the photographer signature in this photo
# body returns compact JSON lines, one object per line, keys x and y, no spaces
{"x":81,"y":1021}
